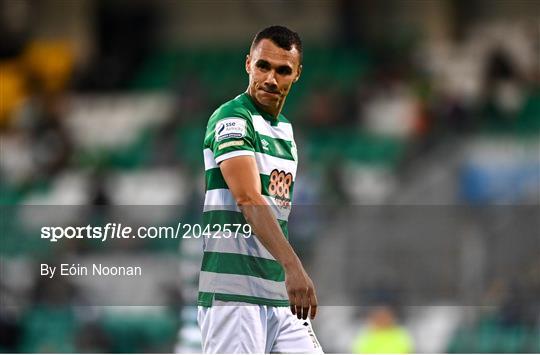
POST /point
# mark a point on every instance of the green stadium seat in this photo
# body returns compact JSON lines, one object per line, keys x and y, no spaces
{"x":460,"y":342}
{"x":529,"y":117}
{"x":144,"y":332}
{"x":486,"y":339}
{"x":513,"y":340}
{"x":49,"y":329}
{"x":190,"y":143}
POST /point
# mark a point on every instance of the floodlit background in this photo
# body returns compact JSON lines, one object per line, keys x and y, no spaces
{"x":418,"y":128}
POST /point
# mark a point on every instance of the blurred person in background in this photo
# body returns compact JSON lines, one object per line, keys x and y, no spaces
{"x":383,"y":335}
{"x":125,"y":33}
{"x":503,"y":90}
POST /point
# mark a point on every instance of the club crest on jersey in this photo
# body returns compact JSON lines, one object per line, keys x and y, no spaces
{"x":230,"y":128}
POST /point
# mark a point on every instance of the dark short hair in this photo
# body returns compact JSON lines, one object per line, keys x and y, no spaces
{"x":281,"y":36}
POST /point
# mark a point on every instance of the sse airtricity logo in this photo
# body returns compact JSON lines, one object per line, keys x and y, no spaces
{"x":221,"y":127}
{"x":230,"y":128}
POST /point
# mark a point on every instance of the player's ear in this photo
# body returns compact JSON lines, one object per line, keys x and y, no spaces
{"x":298,"y":73}
{"x":248,"y":63}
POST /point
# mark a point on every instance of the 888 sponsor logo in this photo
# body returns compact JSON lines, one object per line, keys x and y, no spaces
{"x":279,"y":186}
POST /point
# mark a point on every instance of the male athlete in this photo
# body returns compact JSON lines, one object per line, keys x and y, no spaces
{"x":247,"y":284}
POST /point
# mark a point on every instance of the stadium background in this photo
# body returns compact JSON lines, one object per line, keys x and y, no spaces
{"x":418,"y":126}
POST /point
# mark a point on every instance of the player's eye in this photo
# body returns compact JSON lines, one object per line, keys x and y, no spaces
{"x":284,"y":70}
{"x":262,"y":64}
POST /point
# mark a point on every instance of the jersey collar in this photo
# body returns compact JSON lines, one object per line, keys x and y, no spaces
{"x":268,"y":117}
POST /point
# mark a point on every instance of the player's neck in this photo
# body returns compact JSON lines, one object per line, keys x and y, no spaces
{"x":274,"y":113}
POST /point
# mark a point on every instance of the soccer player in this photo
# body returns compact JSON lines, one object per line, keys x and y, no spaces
{"x":247,"y":284}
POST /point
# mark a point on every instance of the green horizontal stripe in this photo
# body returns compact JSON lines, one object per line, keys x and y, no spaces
{"x":215,"y":180}
{"x":205,"y":299}
{"x":239,"y":264}
{"x":276,"y":147}
{"x":284,"y":228}
{"x":222,"y":217}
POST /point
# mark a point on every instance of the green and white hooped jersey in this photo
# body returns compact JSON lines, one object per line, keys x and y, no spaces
{"x":239,"y":268}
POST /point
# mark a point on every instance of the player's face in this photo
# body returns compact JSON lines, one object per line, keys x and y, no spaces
{"x":272,"y":71}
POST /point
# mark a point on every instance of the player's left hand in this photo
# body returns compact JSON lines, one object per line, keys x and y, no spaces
{"x":301,"y":291}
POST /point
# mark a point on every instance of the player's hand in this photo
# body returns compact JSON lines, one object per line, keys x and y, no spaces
{"x":301,"y":291}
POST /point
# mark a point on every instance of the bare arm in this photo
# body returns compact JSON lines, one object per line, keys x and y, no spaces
{"x":242,"y":178}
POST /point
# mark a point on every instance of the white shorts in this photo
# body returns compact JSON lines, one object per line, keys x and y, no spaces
{"x":237,"y":327}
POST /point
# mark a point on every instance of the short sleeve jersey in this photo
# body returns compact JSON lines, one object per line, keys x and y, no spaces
{"x":239,"y":268}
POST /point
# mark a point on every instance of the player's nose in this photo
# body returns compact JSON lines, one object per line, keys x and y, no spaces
{"x":270,"y":80}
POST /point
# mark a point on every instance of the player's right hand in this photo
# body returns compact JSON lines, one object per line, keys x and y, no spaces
{"x":301,"y":291}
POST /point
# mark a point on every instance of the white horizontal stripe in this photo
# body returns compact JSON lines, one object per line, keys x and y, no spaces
{"x":220,"y":200}
{"x":267,"y":163}
{"x":209,"y":161}
{"x":279,"y":212}
{"x":282,"y":130}
{"x":223,"y":200}
{"x":241,"y":285}
{"x":240,"y":245}
{"x":234,"y":153}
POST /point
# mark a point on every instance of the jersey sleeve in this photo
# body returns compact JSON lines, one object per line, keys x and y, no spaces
{"x":230,"y":133}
